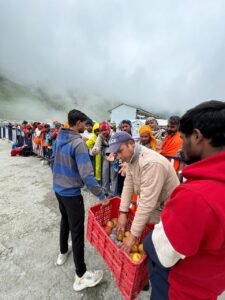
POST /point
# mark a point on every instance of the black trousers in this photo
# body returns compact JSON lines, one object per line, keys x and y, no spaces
{"x":72,"y":219}
{"x":120,"y":184}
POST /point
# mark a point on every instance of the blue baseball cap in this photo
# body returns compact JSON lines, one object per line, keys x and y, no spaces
{"x":117,"y":140}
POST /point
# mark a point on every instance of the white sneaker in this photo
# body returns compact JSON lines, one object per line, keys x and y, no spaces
{"x":62,"y":258}
{"x":89,"y":279}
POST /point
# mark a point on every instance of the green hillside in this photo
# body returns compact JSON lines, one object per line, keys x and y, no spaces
{"x":19,"y":102}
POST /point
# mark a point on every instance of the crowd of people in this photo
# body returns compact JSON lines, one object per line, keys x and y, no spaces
{"x":177,"y":180}
{"x":36,"y":138}
{"x":40,"y":139}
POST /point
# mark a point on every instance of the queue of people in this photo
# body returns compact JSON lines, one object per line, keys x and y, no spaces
{"x":36,"y":138}
{"x":40,"y":138}
{"x":187,"y":246}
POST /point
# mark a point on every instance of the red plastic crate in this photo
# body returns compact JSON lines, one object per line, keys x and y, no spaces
{"x":130,"y":277}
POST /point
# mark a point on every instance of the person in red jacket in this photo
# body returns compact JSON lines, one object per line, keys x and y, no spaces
{"x":187,"y":248}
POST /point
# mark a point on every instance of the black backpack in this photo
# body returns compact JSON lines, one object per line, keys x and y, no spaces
{"x":26,"y":151}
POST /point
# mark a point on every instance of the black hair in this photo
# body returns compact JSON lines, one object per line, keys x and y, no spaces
{"x":126,"y":122}
{"x":76,"y":115}
{"x":89,"y":122}
{"x":127,"y":142}
{"x":209,"y":118}
{"x":175,"y":120}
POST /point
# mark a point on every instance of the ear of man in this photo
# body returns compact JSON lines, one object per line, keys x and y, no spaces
{"x":198,"y":136}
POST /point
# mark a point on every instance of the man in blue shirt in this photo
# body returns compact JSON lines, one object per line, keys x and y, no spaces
{"x":72,"y":168}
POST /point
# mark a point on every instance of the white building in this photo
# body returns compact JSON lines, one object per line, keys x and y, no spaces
{"x":162,"y":123}
{"x":128,"y":112}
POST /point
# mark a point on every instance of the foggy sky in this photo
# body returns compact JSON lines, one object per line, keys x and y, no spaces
{"x":162,"y":55}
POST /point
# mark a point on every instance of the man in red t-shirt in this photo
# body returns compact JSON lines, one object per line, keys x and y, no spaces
{"x":187,"y":248}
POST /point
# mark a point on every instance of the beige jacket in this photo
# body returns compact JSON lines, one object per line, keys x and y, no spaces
{"x":152,"y":178}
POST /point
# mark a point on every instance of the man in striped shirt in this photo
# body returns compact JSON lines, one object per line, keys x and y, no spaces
{"x":72,"y":168}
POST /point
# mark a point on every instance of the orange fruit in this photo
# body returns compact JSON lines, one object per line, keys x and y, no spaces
{"x":141,"y":248}
{"x":120,"y":237}
{"x":134,"y":249}
{"x":136,"y":257}
{"x":127,"y":233}
{"x":109,"y":224}
{"x":108,"y":229}
{"x":114,"y":220}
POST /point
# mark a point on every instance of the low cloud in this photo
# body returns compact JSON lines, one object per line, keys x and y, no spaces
{"x":163,"y":56}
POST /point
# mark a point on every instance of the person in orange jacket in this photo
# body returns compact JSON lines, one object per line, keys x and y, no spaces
{"x":147,"y":139}
{"x":172,"y":143}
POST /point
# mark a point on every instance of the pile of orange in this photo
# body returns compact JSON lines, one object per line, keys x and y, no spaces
{"x":137,"y":250}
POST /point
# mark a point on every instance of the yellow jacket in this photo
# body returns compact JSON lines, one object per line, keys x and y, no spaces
{"x":97,"y":158}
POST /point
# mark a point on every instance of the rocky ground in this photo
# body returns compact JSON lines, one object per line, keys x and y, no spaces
{"x":29,"y":223}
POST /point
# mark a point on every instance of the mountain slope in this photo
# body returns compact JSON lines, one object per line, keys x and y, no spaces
{"x":26,"y":102}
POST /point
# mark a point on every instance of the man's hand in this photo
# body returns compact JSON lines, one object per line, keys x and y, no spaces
{"x":121,"y":224}
{"x":111,"y":157}
{"x":128,"y":243}
{"x":123,"y":169}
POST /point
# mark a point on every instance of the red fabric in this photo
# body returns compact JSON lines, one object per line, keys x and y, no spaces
{"x":23,"y":127}
{"x":39,"y":127}
{"x":134,"y":206}
{"x":55,"y":133}
{"x":17,"y":151}
{"x":194,"y":222}
{"x":104,"y":126}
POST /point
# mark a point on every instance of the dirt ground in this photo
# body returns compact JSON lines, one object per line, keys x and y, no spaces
{"x":29,"y":225}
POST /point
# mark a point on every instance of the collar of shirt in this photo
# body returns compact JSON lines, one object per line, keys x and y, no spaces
{"x":137,"y":151}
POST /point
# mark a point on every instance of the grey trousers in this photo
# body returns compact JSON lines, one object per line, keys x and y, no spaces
{"x":109,"y":177}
